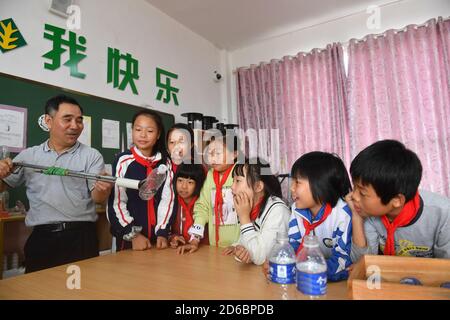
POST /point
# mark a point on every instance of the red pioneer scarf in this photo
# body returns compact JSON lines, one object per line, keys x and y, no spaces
{"x":219,"y":199}
{"x":311,"y":226}
{"x":187,"y":214}
{"x":256,"y":209}
{"x":151,"y":204}
{"x":405,"y":216}
{"x":174,"y":167}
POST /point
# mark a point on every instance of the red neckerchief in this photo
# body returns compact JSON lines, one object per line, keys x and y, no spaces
{"x":151,"y":217}
{"x":174,"y":167}
{"x":186,"y":212}
{"x":311,"y":226}
{"x":256,"y":209}
{"x":405,"y":216}
{"x":219,"y":199}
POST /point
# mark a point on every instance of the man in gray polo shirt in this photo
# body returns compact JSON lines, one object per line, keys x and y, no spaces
{"x":62,"y":209}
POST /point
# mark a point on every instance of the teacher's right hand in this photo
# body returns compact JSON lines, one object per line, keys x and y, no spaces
{"x":6,"y":166}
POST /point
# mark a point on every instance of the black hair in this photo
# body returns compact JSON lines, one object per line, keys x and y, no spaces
{"x":390,"y":168}
{"x":52,"y":104}
{"x":192,"y":171}
{"x":183,"y":126}
{"x":327,"y":176}
{"x":258,"y":170}
{"x":228,"y":138}
{"x":159,"y":145}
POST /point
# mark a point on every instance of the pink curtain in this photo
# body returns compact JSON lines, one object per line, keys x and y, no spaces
{"x":303,"y":97}
{"x":399,"y":88}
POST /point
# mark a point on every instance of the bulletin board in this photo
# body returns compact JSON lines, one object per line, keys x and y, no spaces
{"x":32,"y":96}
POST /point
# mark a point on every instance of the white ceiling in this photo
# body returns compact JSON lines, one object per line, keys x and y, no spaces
{"x":233,"y":24}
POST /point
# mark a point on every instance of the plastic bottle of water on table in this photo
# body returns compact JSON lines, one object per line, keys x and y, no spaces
{"x":311,"y":269}
{"x":282,"y":264}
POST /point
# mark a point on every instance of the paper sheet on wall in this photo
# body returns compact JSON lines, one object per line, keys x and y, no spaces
{"x":110,"y":134}
{"x":13,"y":127}
{"x":85,"y":136}
{"x":129,"y":135}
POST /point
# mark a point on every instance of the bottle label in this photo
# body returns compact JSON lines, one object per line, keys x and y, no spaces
{"x":282,"y":273}
{"x":313,"y":284}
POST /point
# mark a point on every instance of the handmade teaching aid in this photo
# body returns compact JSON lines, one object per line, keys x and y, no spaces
{"x":399,"y":278}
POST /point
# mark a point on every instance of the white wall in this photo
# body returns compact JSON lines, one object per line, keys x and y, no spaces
{"x":396,"y":15}
{"x":134,"y":27}
{"x":155,"y":39}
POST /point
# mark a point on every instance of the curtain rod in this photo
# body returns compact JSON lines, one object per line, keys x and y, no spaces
{"x":345,"y":44}
{"x":383,"y":34}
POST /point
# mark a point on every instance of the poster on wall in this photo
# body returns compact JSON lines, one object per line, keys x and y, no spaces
{"x":110,"y":134}
{"x":13,"y":127}
{"x":129,"y":135}
{"x":85,"y":136}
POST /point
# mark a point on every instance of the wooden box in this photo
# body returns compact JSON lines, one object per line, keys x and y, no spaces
{"x":430,"y":272}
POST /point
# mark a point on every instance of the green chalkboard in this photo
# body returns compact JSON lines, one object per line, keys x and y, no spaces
{"x":32,"y":95}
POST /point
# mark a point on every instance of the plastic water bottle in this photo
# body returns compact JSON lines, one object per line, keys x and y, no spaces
{"x":311,"y":269}
{"x":4,"y":201}
{"x":153,"y":182}
{"x":14,"y":260}
{"x":282,"y":264}
{"x":4,"y":152}
{"x":5,"y":262}
{"x":5,"y":197}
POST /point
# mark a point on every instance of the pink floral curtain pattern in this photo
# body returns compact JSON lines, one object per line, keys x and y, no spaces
{"x":303,"y":97}
{"x":399,"y":88}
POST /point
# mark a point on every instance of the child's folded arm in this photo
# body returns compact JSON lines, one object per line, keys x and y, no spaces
{"x":252,"y":241}
{"x":118,"y":215}
{"x":372,"y":240}
{"x":358,"y":252}
{"x":442,"y":246}
{"x":259,"y":244}
{"x":340,"y":260}
{"x":202,"y":210}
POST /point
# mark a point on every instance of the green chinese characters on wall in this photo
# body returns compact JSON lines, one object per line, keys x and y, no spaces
{"x":60,"y":44}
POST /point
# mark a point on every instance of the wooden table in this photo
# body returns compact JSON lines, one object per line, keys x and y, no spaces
{"x":157,"y":274}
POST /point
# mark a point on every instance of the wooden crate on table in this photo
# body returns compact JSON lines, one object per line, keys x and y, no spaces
{"x":430,"y":272}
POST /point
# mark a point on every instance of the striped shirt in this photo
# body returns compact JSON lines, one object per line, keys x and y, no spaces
{"x":334,"y":236}
{"x":126,"y":209}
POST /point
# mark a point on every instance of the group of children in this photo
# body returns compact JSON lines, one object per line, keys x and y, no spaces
{"x":239,"y":206}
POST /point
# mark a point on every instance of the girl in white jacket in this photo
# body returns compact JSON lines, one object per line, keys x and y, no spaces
{"x":262,"y":214}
